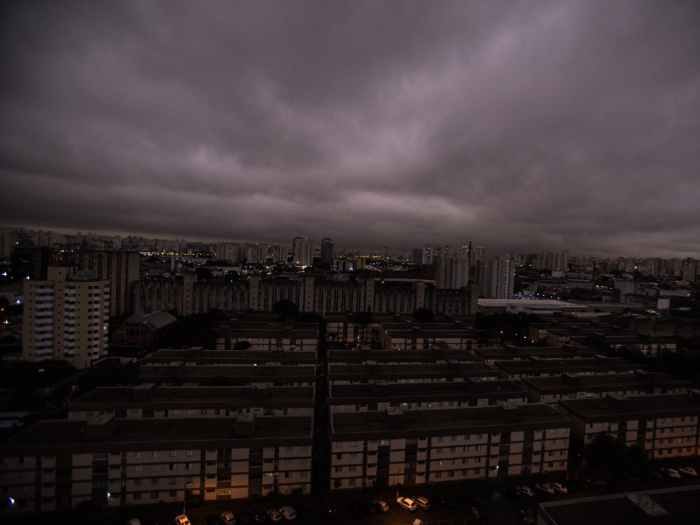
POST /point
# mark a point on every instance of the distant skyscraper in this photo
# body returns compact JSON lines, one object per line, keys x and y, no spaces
{"x":452,"y":273}
{"x":427,"y":254}
{"x":385,"y":252}
{"x":327,"y":251}
{"x":495,"y":278}
{"x":303,"y":251}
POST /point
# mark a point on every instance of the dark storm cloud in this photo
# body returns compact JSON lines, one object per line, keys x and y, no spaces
{"x":522,"y":126}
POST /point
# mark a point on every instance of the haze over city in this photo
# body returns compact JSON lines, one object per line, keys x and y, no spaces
{"x":523,"y":127}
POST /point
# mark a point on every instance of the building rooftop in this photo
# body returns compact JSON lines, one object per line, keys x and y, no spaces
{"x":537,"y":365}
{"x":267,"y":372}
{"x":615,"y":407}
{"x":52,"y":436}
{"x":420,"y":392}
{"x":399,"y":356}
{"x":212,"y":357}
{"x":415,"y":423}
{"x":149,"y":395}
{"x":673,"y":506}
{"x":610,"y":382}
{"x":545,"y":352}
{"x":155,"y":321}
{"x":428,"y":370}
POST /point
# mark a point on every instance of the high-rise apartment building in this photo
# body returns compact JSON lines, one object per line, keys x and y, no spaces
{"x":327,"y":251}
{"x":554,"y":261}
{"x":495,"y":278}
{"x":66,"y":317}
{"x":120,"y":268}
{"x":452,"y":273}
{"x":303,"y":251}
{"x":427,"y":254}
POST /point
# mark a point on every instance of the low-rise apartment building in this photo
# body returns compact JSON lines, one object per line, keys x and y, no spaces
{"x":199,"y":356}
{"x":647,"y":345}
{"x":415,"y":447}
{"x":514,"y":353}
{"x":663,"y":425}
{"x":424,"y":396}
{"x":56,"y":465}
{"x":371,"y":372}
{"x":360,"y":355}
{"x":272,"y":374}
{"x":537,"y":367}
{"x":189,"y":402}
{"x":570,"y":386}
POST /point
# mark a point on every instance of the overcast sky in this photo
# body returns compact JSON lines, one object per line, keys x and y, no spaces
{"x":521,"y":126}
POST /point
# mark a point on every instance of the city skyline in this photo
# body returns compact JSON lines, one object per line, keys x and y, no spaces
{"x":522,"y":128}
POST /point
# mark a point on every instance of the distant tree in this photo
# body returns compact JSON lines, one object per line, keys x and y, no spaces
{"x":285,"y":309}
{"x":424,"y":315}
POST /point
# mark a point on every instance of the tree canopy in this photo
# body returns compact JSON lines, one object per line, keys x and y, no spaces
{"x":286,"y":308}
{"x":424,"y":315}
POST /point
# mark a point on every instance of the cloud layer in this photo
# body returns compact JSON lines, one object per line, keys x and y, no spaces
{"x":520,"y":126}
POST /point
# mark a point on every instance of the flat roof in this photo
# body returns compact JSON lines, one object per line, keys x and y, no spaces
{"x":542,"y":351}
{"x":432,"y":355}
{"x":453,"y":421}
{"x":602,"y":362}
{"x":670,"y":506}
{"x":249,"y":373}
{"x":378,"y":370}
{"x":503,"y":388}
{"x":51,"y":435}
{"x":609,"y":382}
{"x":640,"y":407}
{"x":180,"y":396}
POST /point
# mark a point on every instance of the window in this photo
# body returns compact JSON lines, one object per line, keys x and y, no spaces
{"x":190,"y":453}
{"x":154,"y":494}
{"x":154,"y":481}
{"x":155,"y":454}
{"x":338,"y":444}
{"x":289,"y":449}
{"x":173,"y":453}
{"x":440,"y":439}
{"x":173,"y":466}
{"x":137,"y":495}
{"x":94,"y":457}
{"x":303,"y":474}
{"x":138,"y":454}
{"x":385,"y":442}
{"x":172,"y":481}
{"x":188,"y":466}
{"x":137,"y":482}
{"x":155,"y":467}
{"x":172,"y":493}
{"x":353,"y":443}
{"x":304,"y":448}
{"x":438,"y":474}
{"x":138,"y":468}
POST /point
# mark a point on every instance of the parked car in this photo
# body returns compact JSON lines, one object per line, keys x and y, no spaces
{"x":258,"y":516}
{"x":571,"y":487}
{"x":274,"y":515}
{"x":655,"y":476}
{"x":328,"y":511}
{"x":227,"y":518}
{"x":213,"y":519}
{"x":417,"y":522}
{"x":288,"y":513}
{"x":671,"y":473}
{"x":544,"y":487}
{"x":381,"y":506}
{"x":135,"y":521}
{"x":244,"y":518}
{"x":558,"y":487}
{"x":357,"y":509}
{"x":446,"y":501}
{"x":511,"y":493}
{"x":182,"y":520}
{"x":302,"y":513}
{"x":422,"y":502}
{"x":600,"y":483}
{"x":525,"y":490}
{"x":688,"y":471}
{"x":408,"y":504}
